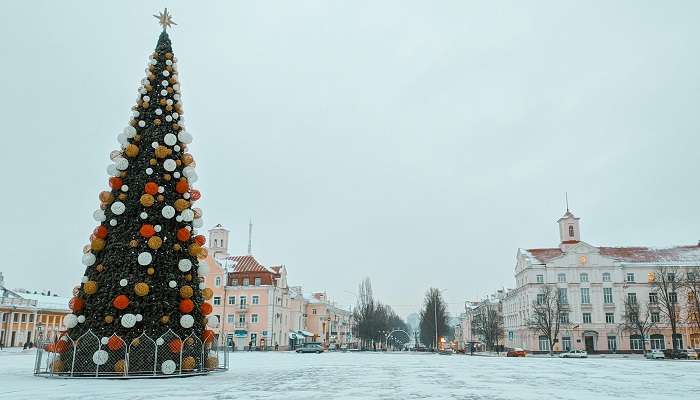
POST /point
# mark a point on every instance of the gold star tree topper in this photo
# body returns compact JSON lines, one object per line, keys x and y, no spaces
{"x":164,"y":19}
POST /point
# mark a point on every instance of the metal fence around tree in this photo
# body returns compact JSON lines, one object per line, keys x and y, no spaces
{"x":168,"y":355}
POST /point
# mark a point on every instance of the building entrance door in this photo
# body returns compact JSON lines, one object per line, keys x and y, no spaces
{"x":589,"y":344}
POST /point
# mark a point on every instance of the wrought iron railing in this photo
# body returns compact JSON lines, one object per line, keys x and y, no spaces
{"x":112,"y":357}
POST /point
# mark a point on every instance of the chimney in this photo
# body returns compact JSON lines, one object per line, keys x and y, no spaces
{"x":48,"y":293}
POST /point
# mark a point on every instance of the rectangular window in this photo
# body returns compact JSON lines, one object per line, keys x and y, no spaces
{"x":241,"y":318}
{"x":544,"y":343}
{"x":607,"y":295}
{"x":562,"y":296}
{"x":246,"y":282}
{"x":540,"y":298}
{"x":231,"y":318}
{"x":217,"y":300}
{"x":231,"y":300}
{"x":655,"y":317}
{"x":561,"y":278}
{"x":653,"y":298}
{"x":313,"y":311}
{"x":217,"y":282}
{"x":243,"y":300}
{"x":254,"y":318}
{"x":632,"y":298}
{"x":566,"y":343}
{"x":586,"y":318}
{"x":234,"y":282}
{"x":31,"y":317}
{"x":630,"y":277}
{"x":606,"y":276}
{"x":635,"y":343}
{"x":673,"y":297}
{"x":256,"y":299}
{"x":24,"y":317}
{"x":540,"y":278}
{"x":258,"y":281}
{"x":585,"y":296}
{"x":583,"y":277}
{"x":563,"y":318}
{"x":609,"y":318}
{"x":612,"y":343}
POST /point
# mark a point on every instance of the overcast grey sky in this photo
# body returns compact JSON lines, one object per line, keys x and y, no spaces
{"x":418,"y":143}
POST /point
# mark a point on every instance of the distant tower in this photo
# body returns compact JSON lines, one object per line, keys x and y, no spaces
{"x":250,"y":237}
{"x":218,"y":241}
{"x":569,"y":230}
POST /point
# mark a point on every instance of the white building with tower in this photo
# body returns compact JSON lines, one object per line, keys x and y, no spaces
{"x":594,"y":282}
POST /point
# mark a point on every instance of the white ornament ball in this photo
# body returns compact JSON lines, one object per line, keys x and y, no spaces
{"x":154,"y":145}
{"x":178,"y":218}
{"x":168,"y":367}
{"x":112,"y":170}
{"x":89,"y":259}
{"x":175,"y":115}
{"x":159,"y":111}
{"x":168,"y":118}
{"x":172,"y":284}
{"x":202,"y":285}
{"x":84,"y":279}
{"x":157,"y":228}
{"x":70,"y":321}
{"x":142,"y":123}
{"x":212,"y":321}
{"x":169,"y":165}
{"x":123,"y":282}
{"x":188,"y":171}
{"x":176,"y":96}
{"x":161,"y":189}
{"x":168,"y":62}
{"x":145,"y":258}
{"x":128,"y":320}
{"x":197,"y":223}
{"x":99,"y":215}
{"x":144,"y":215}
{"x":186,"y":321}
{"x":122,"y":139}
{"x":113,"y":222}
{"x":193,"y":177}
{"x":160,"y":341}
{"x":184,"y":265}
{"x":187,"y":215}
{"x":203,"y":269}
{"x":176,"y":174}
{"x":81,"y":319}
{"x":146,"y":98}
{"x":185,"y":137}
{"x":104,"y":340}
{"x":163,"y":92}
{"x":164,"y":83}
{"x":139,"y":317}
{"x":170,"y":139}
{"x":166,"y":72}
{"x":117,"y":208}
{"x":168,"y":212}
{"x":100,"y":357}
{"x":130,"y":131}
{"x":149,"y":170}
{"x":125,"y":188}
{"x":121,"y":163}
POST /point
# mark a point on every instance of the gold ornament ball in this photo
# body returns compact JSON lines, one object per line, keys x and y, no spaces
{"x":169,"y":55}
{"x":162,"y":102}
{"x":212,"y":362}
{"x":186,"y":292}
{"x":100,"y":268}
{"x":164,"y":319}
{"x":189,"y":341}
{"x":106,"y":197}
{"x":136,"y":342}
{"x":109,"y":319}
{"x":154,"y":242}
{"x":150,"y":271}
{"x":161,"y":198}
{"x":177,"y":247}
{"x":153,"y":161}
{"x":168,"y":108}
{"x":97,"y":244}
{"x":133,"y":243}
{"x":188,"y":363}
{"x":162,"y":152}
{"x":132,"y":150}
{"x":146,"y":200}
{"x":188,"y":277}
{"x":167,"y":177}
{"x":119,"y":366}
{"x":187,"y":158}
{"x":90,"y":287}
{"x":122,"y":196}
{"x":141,"y":289}
{"x":156,"y":121}
{"x":57,"y":365}
{"x":207,"y":293}
{"x":181,"y":204}
{"x":145,"y":105}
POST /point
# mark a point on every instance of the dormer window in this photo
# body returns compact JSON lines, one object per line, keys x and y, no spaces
{"x":571,"y":230}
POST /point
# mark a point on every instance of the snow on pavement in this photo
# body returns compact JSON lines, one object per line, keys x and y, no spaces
{"x":291,"y":376}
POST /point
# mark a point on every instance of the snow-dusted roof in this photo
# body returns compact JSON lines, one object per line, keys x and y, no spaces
{"x":44,"y":302}
{"x":647,"y":255}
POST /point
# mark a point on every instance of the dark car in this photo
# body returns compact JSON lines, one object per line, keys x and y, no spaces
{"x":311,"y":348}
{"x":676,"y":354}
{"x":517,"y":352}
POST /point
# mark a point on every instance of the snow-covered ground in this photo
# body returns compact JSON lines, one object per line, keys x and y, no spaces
{"x":292,"y":376}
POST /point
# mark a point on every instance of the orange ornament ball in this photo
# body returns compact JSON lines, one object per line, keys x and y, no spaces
{"x":106,"y":197}
{"x":76,"y":304}
{"x":182,"y":186}
{"x":114,"y":343}
{"x":151,"y":188}
{"x":147,"y":230}
{"x":186,"y":306}
{"x":100,"y":232}
{"x":115,"y":183}
{"x":183,"y":234}
{"x":200,"y":240}
{"x":175,"y":345}
{"x":146,"y":200}
{"x":120,"y":302}
{"x":208,"y":336}
{"x":206,"y":308}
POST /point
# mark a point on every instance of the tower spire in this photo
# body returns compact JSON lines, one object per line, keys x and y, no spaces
{"x":566,"y":195}
{"x":250,"y":237}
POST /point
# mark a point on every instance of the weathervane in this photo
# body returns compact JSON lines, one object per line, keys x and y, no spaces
{"x":164,"y":19}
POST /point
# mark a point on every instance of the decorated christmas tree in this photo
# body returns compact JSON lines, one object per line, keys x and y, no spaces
{"x":142,"y":274}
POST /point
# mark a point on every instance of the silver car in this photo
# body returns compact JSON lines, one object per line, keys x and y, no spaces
{"x":574,"y":354}
{"x":311,"y":348}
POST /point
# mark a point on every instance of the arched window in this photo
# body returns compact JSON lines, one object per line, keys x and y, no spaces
{"x":218,"y":281}
{"x":571,"y":230}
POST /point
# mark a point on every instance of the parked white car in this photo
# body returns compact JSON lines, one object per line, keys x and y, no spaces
{"x":656,"y":354}
{"x":574,"y":354}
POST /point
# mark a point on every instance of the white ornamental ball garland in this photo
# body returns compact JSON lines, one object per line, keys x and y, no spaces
{"x":184,"y":265}
{"x":70,"y":321}
{"x":168,"y":367}
{"x":128,"y":320}
{"x":186,"y":321}
{"x":145,"y":258}
{"x":89,"y":259}
{"x":100,"y":357}
{"x":118,"y":208}
{"x":168,"y":212}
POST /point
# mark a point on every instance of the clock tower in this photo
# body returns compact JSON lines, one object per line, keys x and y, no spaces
{"x":569,"y":231}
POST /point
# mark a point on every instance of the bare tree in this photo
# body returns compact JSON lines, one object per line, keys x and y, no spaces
{"x":638,"y":321}
{"x":666,"y":283}
{"x":546,"y":315}
{"x":692,"y":285}
{"x":488,"y":324}
{"x":372,"y":318}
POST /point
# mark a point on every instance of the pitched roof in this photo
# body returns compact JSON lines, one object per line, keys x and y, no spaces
{"x":678,"y":254}
{"x":247,"y":264}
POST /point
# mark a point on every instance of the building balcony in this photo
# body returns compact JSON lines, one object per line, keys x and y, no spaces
{"x":608,"y":305}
